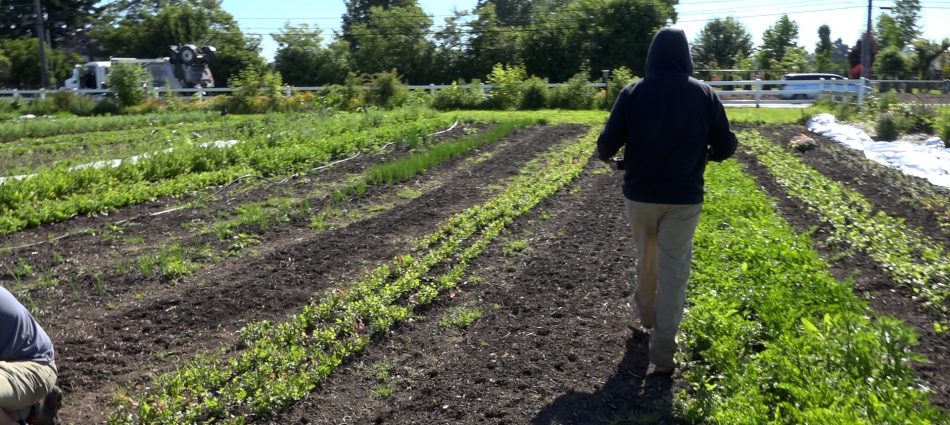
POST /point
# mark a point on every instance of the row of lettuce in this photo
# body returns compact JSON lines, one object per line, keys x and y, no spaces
{"x":770,"y":335}
{"x":275,"y":145}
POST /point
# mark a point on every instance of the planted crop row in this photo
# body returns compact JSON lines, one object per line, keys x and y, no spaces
{"x":58,"y":194}
{"x":283,"y":362}
{"x":772,"y":338}
{"x":25,"y":156}
{"x":42,"y":127}
{"x":908,"y":256}
{"x":262,"y":215}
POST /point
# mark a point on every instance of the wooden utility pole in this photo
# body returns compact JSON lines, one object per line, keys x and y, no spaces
{"x":866,"y":47}
{"x":41,"y":36}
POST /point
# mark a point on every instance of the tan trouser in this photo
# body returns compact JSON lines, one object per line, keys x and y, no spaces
{"x":663,"y":235}
{"x":22,"y":384}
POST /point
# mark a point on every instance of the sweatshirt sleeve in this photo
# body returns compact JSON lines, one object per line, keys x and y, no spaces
{"x":614,"y":135}
{"x":722,"y":141}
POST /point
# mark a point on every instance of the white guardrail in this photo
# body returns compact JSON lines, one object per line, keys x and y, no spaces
{"x":751,"y":92}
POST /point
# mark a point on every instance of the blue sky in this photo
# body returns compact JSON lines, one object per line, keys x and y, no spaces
{"x":846,"y":18}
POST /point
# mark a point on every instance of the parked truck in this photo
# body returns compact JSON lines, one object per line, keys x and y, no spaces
{"x":185,"y":67}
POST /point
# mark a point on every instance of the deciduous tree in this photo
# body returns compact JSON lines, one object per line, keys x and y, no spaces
{"x":358,"y":12}
{"x":925,"y":52}
{"x":394,"y":38}
{"x":490,"y":43}
{"x":63,"y":19}
{"x":891,"y":63}
{"x":303,"y":60}
{"x":24,"y":63}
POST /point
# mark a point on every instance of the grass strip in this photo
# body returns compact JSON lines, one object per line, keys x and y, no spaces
{"x":404,"y":169}
{"x":282,"y":362}
{"x":771,"y":337}
{"x":59,"y":194}
{"x":908,"y":256}
{"x":42,"y":127}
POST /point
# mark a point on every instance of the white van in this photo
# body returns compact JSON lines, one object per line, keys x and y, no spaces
{"x":809,"y":85}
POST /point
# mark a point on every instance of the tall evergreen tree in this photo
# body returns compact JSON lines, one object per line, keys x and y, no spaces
{"x":907,"y":14}
{"x":888,"y":32}
{"x":839,"y":56}
{"x":777,"y":40}
{"x":722,"y":43}
{"x":823,"y":49}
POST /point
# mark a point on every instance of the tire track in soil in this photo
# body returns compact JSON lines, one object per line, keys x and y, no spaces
{"x":171,"y":325}
{"x":555,"y":345}
{"x":870,"y":282}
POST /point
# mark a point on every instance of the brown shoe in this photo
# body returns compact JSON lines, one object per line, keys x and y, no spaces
{"x":45,"y":412}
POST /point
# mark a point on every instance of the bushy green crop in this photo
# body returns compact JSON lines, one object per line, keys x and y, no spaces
{"x":772,"y":337}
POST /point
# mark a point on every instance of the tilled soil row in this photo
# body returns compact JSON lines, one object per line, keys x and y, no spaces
{"x":870,"y":281}
{"x":101,"y":348}
{"x":81,"y":262}
{"x":555,"y":344}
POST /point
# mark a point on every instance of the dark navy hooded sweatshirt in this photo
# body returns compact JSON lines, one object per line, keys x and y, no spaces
{"x":670,"y":125}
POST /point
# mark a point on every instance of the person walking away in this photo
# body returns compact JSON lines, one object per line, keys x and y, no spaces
{"x":670,"y":125}
{"x":28,"y":392}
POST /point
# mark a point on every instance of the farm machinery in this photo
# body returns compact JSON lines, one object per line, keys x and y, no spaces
{"x":185,"y":67}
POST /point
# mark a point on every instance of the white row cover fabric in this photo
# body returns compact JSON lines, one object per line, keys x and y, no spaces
{"x":929,"y":160}
{"x":113,"y":163}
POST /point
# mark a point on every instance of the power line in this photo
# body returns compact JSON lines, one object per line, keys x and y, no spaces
{"x":376,"y":30}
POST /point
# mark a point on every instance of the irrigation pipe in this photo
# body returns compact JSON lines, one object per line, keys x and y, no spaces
{"x":229,"y":184}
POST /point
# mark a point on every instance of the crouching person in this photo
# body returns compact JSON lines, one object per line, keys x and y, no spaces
{"x":28,"y":392}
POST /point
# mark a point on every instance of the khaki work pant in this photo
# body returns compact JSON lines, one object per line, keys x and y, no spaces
{"x":23,"y":384}
{"x":663,"y":235}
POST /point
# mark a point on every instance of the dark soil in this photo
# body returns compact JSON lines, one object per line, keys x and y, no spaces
{"x":870,"y":281}
{"x":110,"y":342}
{"x":555,"y":344}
